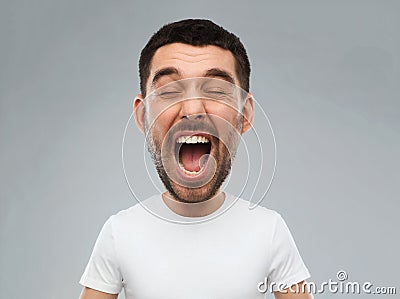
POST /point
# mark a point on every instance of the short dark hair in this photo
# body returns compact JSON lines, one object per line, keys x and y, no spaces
{"x":195,"y":32}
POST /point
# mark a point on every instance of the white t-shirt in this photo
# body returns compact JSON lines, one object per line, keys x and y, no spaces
{"x":225,"y":257}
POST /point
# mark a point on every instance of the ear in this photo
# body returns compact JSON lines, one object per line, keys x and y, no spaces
{"x":139,"y":112}
{"x":248,"y":113}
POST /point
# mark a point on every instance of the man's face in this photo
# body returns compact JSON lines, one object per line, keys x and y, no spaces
{"x":192,"y":141}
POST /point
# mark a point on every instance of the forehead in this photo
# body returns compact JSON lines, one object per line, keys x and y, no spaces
{"x":192,"y":61}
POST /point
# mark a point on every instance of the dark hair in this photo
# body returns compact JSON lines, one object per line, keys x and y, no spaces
{"x":195,"y":32}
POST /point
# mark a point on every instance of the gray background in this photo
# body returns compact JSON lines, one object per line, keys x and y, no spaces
{"x":327,"y":73}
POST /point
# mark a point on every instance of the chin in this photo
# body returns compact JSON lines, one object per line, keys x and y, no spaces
{"x":194,"y":195}
{"x":199,"y":194}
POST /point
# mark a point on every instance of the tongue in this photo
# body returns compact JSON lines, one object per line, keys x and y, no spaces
{"x":190,"y":155}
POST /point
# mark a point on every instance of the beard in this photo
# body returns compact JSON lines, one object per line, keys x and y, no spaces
{"x":223,"y":156}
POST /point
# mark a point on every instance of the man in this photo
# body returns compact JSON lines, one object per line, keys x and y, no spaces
{"x":193,"y":107}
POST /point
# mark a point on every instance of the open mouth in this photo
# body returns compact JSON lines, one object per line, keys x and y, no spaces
{"x":192,"y":153}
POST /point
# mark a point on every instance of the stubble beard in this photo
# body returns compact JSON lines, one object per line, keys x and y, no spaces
{"x":224,"y":159}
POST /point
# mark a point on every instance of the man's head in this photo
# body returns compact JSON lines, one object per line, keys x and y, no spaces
{"x":196,"y":33}
{"x":193,"y":141}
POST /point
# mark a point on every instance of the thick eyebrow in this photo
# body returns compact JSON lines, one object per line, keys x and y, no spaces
{"x":220,"y":74}
{"x":164,"y":72}
{"x":214,"y":72}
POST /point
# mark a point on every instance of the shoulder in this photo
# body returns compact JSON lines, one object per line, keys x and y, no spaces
{"x":134,"y":214}
{"x":258,"y":213}
{"x":258,"y":219}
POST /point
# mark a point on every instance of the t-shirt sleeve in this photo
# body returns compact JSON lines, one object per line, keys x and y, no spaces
{"x":287,"y":266}
{"x":102,"y":272}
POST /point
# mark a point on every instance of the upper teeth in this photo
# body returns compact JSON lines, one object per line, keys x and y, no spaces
{"x":192,"y":139}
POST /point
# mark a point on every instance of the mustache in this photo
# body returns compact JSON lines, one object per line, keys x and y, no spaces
{"x":195,"y":126}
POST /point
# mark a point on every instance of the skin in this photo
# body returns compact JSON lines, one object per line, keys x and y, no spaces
{"x":88,"y":293}
{"x":190,"y":62}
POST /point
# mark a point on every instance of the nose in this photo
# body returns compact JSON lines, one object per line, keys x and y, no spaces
{"x":192,"y":107}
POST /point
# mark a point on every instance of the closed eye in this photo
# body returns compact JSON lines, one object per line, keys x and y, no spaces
{"x":167,"y":95}
{"x":217,"y":91}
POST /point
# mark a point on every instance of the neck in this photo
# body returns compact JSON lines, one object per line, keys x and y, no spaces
{"x":196,"y":209}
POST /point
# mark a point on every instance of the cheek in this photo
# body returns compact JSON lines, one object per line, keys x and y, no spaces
{"x":224,"y":113}
{"x":159,"y":122}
